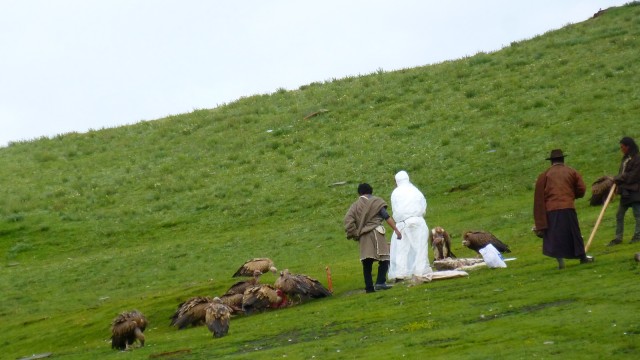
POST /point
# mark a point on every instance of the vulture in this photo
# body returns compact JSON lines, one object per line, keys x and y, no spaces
{"x":262,"y":297}
{"x":600,"y":190}
{"x":301,"y":286}
{"x":440,"y":243}
{"x":241,"y":286}
{"x":233,"y":301}
{"x":476,"y":240}
{"x":191,"y":312}
{"x":217,"y":317}
{"x":126,"y":328}
{"x":261,"y":264}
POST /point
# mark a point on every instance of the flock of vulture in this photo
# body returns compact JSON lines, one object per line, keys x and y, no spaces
{"x":242,"y":298}
{"x":249,"y":296}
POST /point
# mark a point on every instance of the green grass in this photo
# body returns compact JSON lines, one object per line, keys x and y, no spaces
{"x":145,"y":216}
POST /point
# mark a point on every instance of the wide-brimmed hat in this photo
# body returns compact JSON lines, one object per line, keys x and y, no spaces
{"x":556,"y":154}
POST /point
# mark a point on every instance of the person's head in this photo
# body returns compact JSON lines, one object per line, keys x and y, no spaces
{"x":628,"y":146}
{"x":556,"y":156}
{"x":365,"y":189}
{"x":402,"y":178}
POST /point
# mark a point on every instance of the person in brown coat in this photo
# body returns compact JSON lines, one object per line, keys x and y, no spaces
{"x":556,"y":220}
{"x":363,"y":223}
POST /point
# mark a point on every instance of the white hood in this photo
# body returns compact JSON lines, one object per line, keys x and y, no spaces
{"x":406,"y":200}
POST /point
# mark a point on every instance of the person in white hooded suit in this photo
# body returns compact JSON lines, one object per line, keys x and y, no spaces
{"x":409,"y":255}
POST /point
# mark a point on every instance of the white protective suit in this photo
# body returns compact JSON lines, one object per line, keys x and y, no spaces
{"x":409,"y":255}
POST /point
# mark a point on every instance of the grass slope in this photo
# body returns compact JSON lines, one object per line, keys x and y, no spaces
{"x":145,"y":216}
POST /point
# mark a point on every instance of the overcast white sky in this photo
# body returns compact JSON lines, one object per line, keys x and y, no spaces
{"x":78,"y":65}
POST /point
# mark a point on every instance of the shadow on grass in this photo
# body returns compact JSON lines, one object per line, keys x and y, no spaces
{"x":522,"y":310}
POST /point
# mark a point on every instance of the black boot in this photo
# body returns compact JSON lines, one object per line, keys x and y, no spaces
{"x":367,"y":265}
{"x":614,"y":242}
{"x":381,"y":281}
{"x":635,"y":238}
{"x":560,"y":263}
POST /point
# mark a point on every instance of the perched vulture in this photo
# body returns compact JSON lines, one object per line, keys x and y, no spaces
{"x":126,"y":328}
{"x":440,"y":243}
{"x":191,"y":312}
{"x":261,"y":264}
{"x":241,"y":286}
{"x":301,"y":286}
{"x":476,"y":240}
{"x":218,"y":316}
{"x":262,"y":297}
{"x":233,"y":301}
{"x":600,"y":190}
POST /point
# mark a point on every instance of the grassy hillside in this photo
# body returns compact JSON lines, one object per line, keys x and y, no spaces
{"x":145,"y":216}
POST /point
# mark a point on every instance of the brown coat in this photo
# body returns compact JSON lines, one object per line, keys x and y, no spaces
{"x":360,"y":224}
{"x":556,"y":189}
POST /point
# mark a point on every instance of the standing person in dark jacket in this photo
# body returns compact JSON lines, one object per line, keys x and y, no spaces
{"x":628,"y":183}
{"x":363,"y":223}
{"x":554,"y":212}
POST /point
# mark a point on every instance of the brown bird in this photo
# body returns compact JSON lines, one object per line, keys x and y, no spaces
{"x":191,"y":312}
{"x":476,"y":240}
{"x":126,"y":328}
{"x":241,"y":286}
{"x":301,"y":286}
{"x":600,"y":190}
{"x":440,"y":243}
{"x":234,"y":301}
{"x":261,"y":264}
{"x":218,"y":316}
{"x":262,"y":297}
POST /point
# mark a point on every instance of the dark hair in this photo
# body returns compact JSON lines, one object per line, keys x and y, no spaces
{"x":365,"y":189}
{"x":633,"y":147}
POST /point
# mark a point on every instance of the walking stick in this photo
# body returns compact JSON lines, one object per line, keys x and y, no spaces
{"x":604,"y":207}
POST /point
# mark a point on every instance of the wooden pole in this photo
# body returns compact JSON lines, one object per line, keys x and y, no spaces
{"x":329,"y":282}
{"x":604,"y":207}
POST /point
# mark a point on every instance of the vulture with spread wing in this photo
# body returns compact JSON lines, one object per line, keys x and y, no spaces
{"x":261,"y":264}
{"x":600,"y":190}
{"x":191,"y":312}
{"x":241,"y":286}
{"x":217,"y":317}
{"x":440,"y":243}
{"x":262,"y":297}
{"x":476,"y":240}
{"x":301,"y":286}
{"x":126,"y":328}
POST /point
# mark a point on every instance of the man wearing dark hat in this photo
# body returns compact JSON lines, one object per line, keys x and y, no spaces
{"x":554,"y":212}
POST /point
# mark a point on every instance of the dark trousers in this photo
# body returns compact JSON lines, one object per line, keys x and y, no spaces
{"x":622,"y":210}
{"x":367,"y":269}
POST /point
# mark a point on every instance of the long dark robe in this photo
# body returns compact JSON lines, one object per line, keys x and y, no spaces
{"x":563,"y":238}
